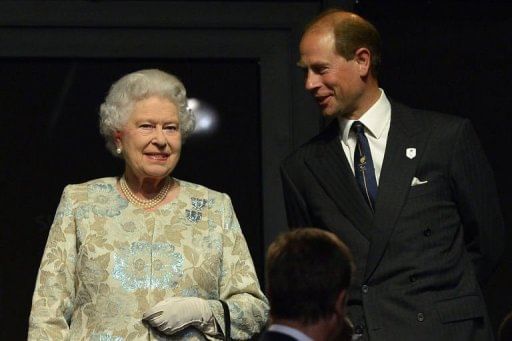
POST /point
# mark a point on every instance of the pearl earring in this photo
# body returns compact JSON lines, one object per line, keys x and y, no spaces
{"x":118,"y":150}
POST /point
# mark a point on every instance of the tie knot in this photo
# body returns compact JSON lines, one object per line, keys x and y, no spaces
{"x":358,"y":127}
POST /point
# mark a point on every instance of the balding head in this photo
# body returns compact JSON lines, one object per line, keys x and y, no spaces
{"x":351,"y":32}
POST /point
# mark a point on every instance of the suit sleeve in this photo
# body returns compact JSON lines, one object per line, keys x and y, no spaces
{"x":477,"y":202}
{"x":296,"y":209}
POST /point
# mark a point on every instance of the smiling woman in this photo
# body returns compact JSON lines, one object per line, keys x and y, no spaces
{"x":150,"y":143}
{"x":145,"y":255}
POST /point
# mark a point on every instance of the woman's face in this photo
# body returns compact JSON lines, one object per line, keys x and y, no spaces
{"x":151,"y":139}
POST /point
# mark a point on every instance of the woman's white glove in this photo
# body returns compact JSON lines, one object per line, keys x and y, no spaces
{"x":177,"y":313}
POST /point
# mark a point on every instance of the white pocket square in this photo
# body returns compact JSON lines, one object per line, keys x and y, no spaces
{"x":416,"y":182}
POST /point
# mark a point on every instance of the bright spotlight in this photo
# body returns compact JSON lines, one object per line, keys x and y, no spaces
{"x":206,"y":116}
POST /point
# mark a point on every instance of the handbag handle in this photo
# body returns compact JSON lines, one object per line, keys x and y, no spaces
{"x":227,"y":321}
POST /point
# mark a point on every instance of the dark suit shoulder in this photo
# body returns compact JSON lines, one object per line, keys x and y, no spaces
{"x":422,"y":118}
{"x":311,"y":147}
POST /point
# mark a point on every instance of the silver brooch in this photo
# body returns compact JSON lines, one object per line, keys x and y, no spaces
{"x":193,"y":216}
{"x":198,"y":204}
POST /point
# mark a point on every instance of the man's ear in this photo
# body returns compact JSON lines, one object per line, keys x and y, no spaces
{"x":342,"y":329}
{"x":341,"y":302}
{"x":363,"y":57}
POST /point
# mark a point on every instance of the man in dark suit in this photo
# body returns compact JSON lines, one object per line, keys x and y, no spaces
{"x":409,"y":191}
{"x":308,"y":272}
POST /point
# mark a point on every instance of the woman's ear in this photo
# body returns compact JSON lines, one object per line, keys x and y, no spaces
{"x":117,"y":138}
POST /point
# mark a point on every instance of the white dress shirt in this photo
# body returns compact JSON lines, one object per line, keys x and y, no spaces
{"x":376,"y":121}
{"x":297,"y":334}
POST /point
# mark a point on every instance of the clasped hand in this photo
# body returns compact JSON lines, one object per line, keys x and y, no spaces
{"x":177,"y":313}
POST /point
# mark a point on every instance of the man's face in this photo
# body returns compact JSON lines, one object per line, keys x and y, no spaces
{"x":334,"y":82}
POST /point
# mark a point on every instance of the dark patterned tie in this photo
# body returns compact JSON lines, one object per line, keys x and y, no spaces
{"x":363,"y":166}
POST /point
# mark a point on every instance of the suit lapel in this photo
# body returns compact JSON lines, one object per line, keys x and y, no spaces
{"x":395,"y":181}
{"x":332,"y":171}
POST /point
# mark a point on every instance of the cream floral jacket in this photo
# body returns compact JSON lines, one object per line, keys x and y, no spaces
{"x":107,"y":261}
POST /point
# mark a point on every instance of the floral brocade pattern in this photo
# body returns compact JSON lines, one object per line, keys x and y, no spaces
{"x":134,"y":273}
{"x":107,"y":261}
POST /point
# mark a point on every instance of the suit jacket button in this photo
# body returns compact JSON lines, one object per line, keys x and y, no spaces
{"x":427,"y":232}
{"x":364,"y":288}
{"x":420,"y":317}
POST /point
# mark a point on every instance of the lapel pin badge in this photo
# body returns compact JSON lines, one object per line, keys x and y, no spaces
{"x":410,"y":153}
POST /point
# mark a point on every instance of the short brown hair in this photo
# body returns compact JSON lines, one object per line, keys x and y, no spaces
{"x":306,"y":269}
{"x":351,"y":32}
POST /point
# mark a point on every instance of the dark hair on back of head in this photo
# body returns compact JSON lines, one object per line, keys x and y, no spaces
{"x":306,"y":270}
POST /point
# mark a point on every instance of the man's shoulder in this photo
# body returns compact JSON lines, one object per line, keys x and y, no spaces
{"x":314,"y":145}
{"x":422,"y":117}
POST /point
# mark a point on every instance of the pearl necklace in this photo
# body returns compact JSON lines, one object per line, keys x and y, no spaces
{"x":145,"y":203}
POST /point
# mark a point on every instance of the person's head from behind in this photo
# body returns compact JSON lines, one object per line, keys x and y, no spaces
{"x":308,"y":271}
{"x":145,"y":120}
{"x":340,"y":55}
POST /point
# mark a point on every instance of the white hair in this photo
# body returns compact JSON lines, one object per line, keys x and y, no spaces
{"x":136,"y":86}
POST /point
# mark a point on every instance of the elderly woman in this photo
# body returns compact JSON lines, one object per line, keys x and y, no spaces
{"x":145,"y":256}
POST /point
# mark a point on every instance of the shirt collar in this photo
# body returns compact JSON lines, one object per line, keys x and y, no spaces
{"x":374,"y":119}
{"x":297,"y":334}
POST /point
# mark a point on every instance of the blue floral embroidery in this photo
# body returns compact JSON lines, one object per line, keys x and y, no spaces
{"x":105,"y":337}
{"x":65,"y":209}
{"x":100,"y":187}
{"x":212,"y":242}
{"x":103,"y":205}
{"x":190,"y":292}
{"x":210,"y":203}
{"x":110,"y":209}
{"x":133,"y":268}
